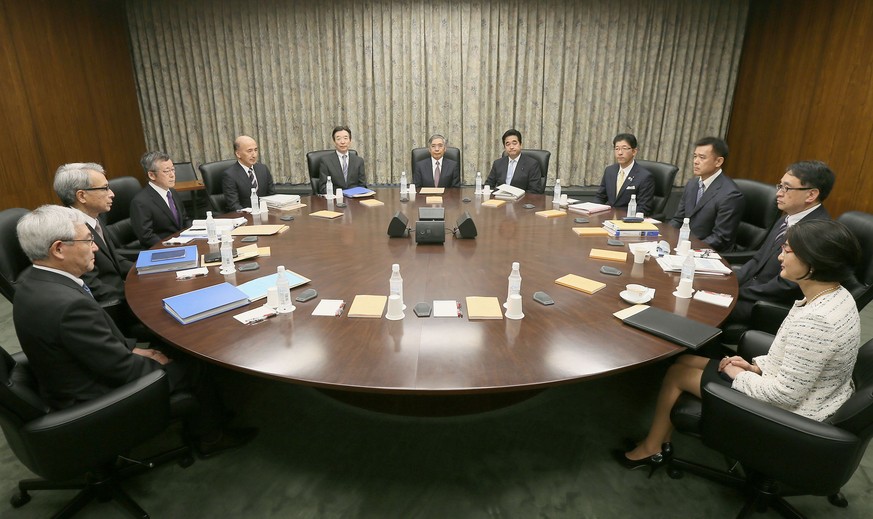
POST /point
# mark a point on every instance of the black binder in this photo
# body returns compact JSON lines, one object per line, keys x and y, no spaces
{"x":675,"y":328}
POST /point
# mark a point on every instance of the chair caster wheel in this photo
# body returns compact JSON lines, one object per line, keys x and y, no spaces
{"x":675,"y":473}
{"x":20,"y":499}
{"x":838,"y":500}
{"x":186,"y":462}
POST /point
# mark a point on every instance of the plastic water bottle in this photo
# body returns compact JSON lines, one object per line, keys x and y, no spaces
{"x":688,"y":267}
{"x":328,"y":191}
{"x":632,"y":206}
{"x":256,"y":203}
{"x":685,"y":231}
{"x":478,"y":183}
{"x":514,"y":282}
{"x":557,"y":195}
{"x":211,"y":234}
{"x":227,"y":266}
{"x":395,"y":284}
{"x":404,"y":188}
{"x":285,"y":304}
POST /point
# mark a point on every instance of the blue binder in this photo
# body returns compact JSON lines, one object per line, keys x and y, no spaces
{"x":205,"y":302}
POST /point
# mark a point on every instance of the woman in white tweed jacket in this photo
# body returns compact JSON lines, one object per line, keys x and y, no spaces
{"x":808,"y":369}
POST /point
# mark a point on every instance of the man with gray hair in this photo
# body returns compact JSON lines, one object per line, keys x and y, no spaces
{"x":157,"y":212}
{"x":75,"y":349}
{"x":83,"y":186}
{"x":437,"y":171}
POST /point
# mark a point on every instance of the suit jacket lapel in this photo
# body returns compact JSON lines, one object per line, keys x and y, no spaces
{"x":103,"y":248}
{"x":708,"y":194}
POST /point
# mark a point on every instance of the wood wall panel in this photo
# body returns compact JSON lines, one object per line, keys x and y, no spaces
{"x":804,"y":92}
{"x":68,"y":94}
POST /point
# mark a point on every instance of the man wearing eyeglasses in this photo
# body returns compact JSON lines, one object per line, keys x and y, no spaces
{"x":437,"y":171}
{"x":84,"y":187}
{"x":799,"y":194}
{"x":75,"y":349}
{"x":157,"y":211}
{"x":711,"y":200}
{"x":626,"y":178}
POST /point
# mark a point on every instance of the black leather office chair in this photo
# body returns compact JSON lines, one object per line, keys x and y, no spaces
{"x":759,"y":216}
{"x":83,"y":446}
{"x":313,"y":162}
{"x":542,"y":157}
{"x":664,"y":175}
{"x":781,"y":453}
{"x":767,"y":316}
{"x":185,"y":173}
{"x":118,"y":218}
{"x":419,"y":154}
{"x":13,"y":261}
{"x":213,"y":175}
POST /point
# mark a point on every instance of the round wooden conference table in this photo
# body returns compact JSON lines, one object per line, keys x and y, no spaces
{"x":492,"y":362}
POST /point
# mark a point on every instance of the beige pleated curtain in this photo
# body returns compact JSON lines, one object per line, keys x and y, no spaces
{"x":568,"y":74}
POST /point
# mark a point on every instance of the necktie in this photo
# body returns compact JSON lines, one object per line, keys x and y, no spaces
{"x":346,"y":168}
{"x":252,"y":178}
{"x":782,"y":230}
{"x":172,"y":205}
{"x":699,"y":192}
{"x":619,"y":181}
{"x":436,"y":175}
{"x":87,"y":290}
{"x":510,"y":171}
{"x":99,"y":230}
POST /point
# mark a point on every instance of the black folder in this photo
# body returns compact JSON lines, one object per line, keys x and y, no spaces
{"x":675,"y":328}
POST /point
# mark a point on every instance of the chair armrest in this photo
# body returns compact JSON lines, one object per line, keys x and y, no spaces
{"x":754,"y":343}
{"x":130,"y":254}
{"x":739,"y":257}
{"x":768,"y":316}
{"x":810,"y":456}
{"x":65,"y":443}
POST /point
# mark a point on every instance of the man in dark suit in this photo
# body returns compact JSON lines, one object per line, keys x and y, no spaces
{"x":801,"y":191}
{"x":626,"y":178}
{"x":157,"y":212}
{"x":515,"y":168}
{"x":84,"y":187}
{"x":344,"y":169}
{"x":75,"y":349}
{"x":711,"y":200}
{"x":437,"y":171}
{"x":246,"y":174}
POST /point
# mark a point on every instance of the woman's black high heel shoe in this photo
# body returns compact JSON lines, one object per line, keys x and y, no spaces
{"x":654,"y":462}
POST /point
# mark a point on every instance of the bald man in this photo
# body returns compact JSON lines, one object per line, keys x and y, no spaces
{"x":247,"y":173}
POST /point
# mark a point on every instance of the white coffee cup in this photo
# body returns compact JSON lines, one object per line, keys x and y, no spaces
{"x":637,"y":290}
{"x":684,"y":290}
{"x":684,"y":247}
{"x":640,"y":255}
{"x":486,"y":191}
{"x":513,"y":310}
{"x":264,"y":208}
{"x":395,"y":308}
{"x":272,"y":297}
{"x":339,"y":194}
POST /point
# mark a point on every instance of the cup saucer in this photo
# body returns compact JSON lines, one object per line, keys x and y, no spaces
{"x":635,"y":299}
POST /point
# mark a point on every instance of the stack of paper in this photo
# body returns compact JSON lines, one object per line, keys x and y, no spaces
{"x":551,"y":213}
{"x":372,"y":203}
{"x":590,"y":231}
{"x":198,"y":227}
{"x":368,"y":306}
{"x":259,"y":230}
{"x":282,"y":202}
{"x":432,"y":191}
{"x":589,"y":208}
{"x":326,"y":214}
{"x":701,"y":265}
{"x":611,"y":255}
{"x":446,"y":308}
{"x":589,"y":286}
{"x":479,"y":307}
{"x":508,"y":192}
{"x":493,"y":203}
{"x":618,"y":228}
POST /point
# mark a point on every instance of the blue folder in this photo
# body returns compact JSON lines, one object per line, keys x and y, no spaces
{"x":166,"y":260}
{"x":205,"y":302}
{"x":358,"y":192}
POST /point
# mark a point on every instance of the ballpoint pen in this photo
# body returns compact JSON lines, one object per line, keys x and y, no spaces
{"x":339,"y":311}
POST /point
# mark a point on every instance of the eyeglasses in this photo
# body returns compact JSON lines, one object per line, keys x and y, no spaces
{"x":165,"y":171}
{"x":622,"y":148}
{"x":786,"y":249}
{"x":101,"y":188}
{"x":782,"y":187}
{"x":89,"y":241}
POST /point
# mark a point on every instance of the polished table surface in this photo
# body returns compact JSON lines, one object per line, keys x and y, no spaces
{"x":575,"y":338}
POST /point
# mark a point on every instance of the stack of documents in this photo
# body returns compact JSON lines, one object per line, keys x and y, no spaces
{"x":589,"y":208}
{"x":206,"y":302}
{"x":282,"y":202}
{"x":479,"y":307}
{"x":701,"y":265}
{"x":166,"y":260}
{"x":368,"y":306}
{"x":198,"y":227}
{"x":508,"y":192}
{"x":589,"y":286}
{"x":620,"y":229}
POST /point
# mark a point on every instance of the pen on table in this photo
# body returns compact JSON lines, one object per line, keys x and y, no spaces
{"x":339,"y":311}
{"x":256,"y":320}
{"x":459,"y":310}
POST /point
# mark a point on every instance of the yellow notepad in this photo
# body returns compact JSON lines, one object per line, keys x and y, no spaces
{"x":551,"y":213}
{"x":589,"y":286}
{"x":612,"y":255}
{"x":257,"y":230}
{"x":372,"y":202}
{"x":493,"y":203}
{"x":368,"y":306}
{"x":326,"y":214}
{"x":590,"y":231}
{"x":434,"y":200}
{"x":431,"y":191}
{"x":479,"y":307}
